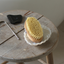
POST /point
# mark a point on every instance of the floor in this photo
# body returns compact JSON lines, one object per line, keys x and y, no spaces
{"x":58,"y":53}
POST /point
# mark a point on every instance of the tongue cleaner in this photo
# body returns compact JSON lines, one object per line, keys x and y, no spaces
{"x":10,"y":29}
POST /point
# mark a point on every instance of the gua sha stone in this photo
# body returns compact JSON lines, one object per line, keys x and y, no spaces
{"x":15,"y":19}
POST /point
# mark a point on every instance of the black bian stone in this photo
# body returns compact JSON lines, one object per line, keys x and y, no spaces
{"x":15,"y":19}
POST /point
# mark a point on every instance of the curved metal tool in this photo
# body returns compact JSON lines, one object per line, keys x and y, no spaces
{"x":10,"y":29}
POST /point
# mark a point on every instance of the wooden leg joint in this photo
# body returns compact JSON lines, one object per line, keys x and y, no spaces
{"x":49,"y":58}
{"x":41,"y":61}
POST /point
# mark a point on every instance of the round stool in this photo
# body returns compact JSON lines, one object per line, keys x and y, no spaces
{"x":14,"y":50}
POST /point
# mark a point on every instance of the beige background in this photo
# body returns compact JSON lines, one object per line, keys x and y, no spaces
{"x":52,"y":9}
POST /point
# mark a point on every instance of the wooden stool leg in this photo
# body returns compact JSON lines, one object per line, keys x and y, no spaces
{"x":5,"y":62}
{"x":20,"y":63}
{"x":49,"y":58}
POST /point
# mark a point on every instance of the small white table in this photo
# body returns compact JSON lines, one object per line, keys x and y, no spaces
{"x":19,"y":51}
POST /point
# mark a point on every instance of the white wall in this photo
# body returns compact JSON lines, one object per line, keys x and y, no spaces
{"x":52,"y":9}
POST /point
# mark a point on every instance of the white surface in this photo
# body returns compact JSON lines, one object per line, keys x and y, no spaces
{"x":46,"y":36}
{"x":52,"y":9}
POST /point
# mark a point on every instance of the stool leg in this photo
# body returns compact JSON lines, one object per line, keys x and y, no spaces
{"x":49,"y":58}
{"x":20,"y":63}
{"x":5,"y":62}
